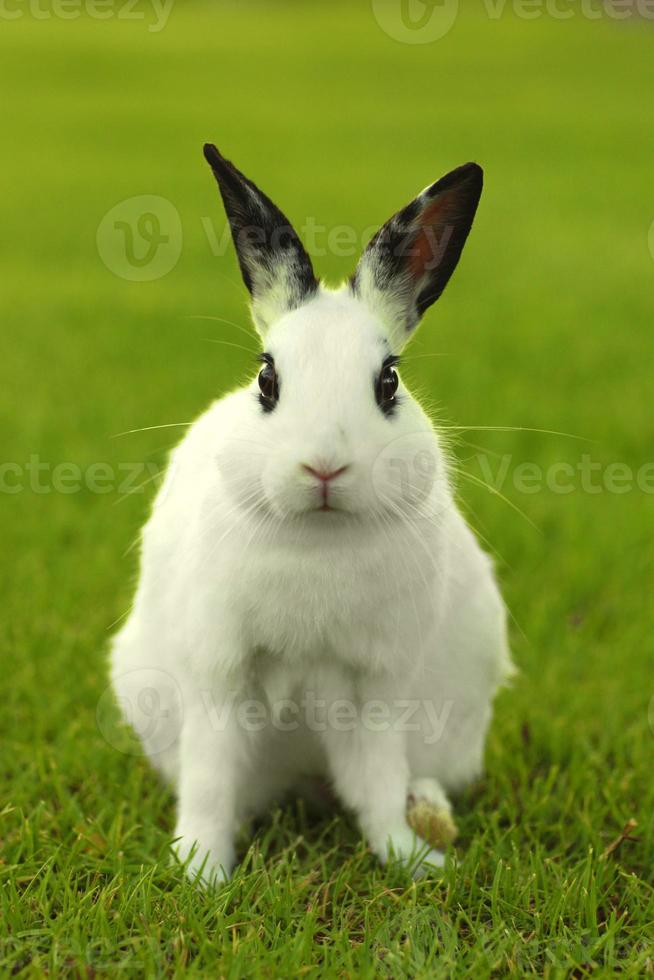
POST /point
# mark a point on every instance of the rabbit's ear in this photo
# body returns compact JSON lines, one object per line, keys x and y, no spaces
{"x":275,"y":266}
{"x":408,"y":263}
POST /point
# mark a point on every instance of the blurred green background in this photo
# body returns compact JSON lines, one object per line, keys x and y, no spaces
{"x":547,"y":325}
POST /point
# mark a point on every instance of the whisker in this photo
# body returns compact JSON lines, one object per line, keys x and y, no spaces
{"x":122,"y":616}
{"x":499,"y":555}
{"x":383,"y":522}
{"x":419,"y":357}
{"x":385,"y":526}
{"x":489,"y":544}
{"x":133,"y":545}
{"x":516,"y":428}
{"x":138,"y":489}
{"x":221,"y":319}
{"x":230,"y":343}
{"x":497,"y":493}
{"x":150,"y":428}
{"x":480,"y":449}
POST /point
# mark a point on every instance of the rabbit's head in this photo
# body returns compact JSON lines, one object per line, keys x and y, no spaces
{"x":330,"y":433}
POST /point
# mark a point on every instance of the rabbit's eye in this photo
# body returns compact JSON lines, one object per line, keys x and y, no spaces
{"x":386,"y":387}
{"x":268,"y":384}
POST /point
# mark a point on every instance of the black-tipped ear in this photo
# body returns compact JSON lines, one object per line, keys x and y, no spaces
{"x":408,"y":263}
{"x":275,"y":266}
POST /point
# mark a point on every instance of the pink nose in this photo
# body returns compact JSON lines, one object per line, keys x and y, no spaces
{"x":323,"y":475}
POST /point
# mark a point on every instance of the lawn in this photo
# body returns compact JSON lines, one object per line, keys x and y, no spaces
{"x":547,"y":335}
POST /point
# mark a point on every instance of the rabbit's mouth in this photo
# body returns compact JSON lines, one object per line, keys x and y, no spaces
{"x":327,"y":508}
{"x":322,"y":479}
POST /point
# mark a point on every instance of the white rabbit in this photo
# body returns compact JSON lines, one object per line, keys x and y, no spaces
{"x":311,"y":601}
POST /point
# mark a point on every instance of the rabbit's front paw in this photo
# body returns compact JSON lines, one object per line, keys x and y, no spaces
{"x":404,"y":846}
{"x":429,"y":813}
{"x":208,"y":865}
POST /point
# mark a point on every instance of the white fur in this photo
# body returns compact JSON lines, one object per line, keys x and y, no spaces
{"x":252,"y":604}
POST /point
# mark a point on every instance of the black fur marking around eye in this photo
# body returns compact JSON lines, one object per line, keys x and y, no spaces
{"x":386,"y":384}
{"x":268,"y":383}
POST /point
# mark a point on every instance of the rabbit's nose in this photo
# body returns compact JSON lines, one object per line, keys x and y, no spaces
{"x":325,"y":476}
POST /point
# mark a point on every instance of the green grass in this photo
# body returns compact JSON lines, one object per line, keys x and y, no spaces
{"x":547,"y":325}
